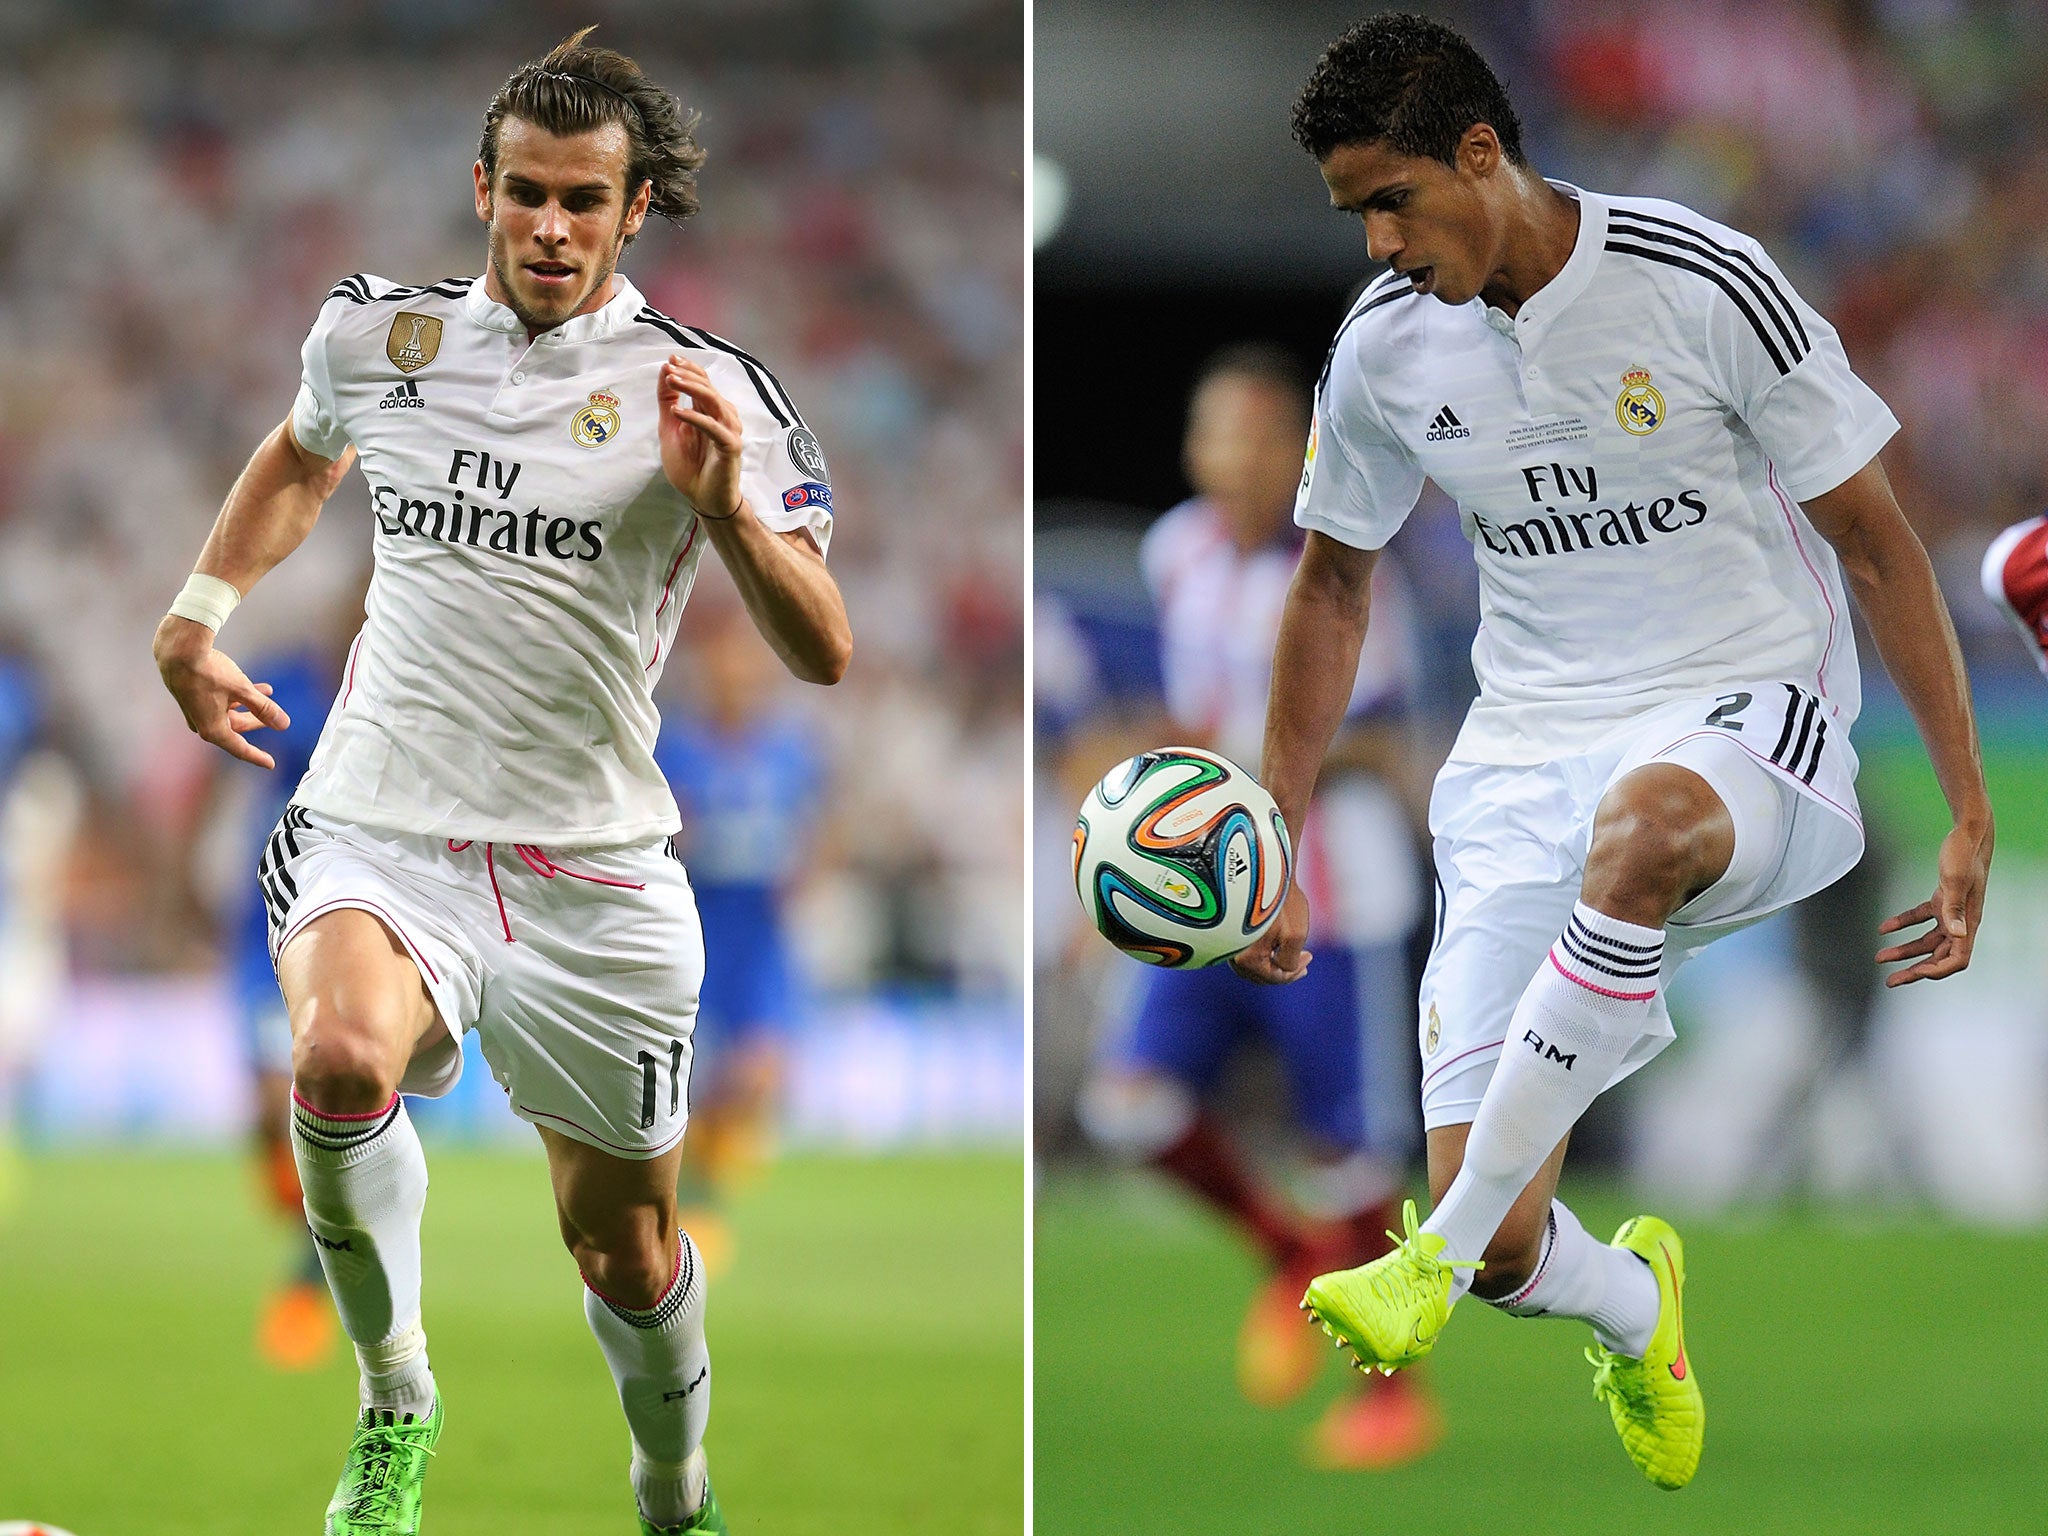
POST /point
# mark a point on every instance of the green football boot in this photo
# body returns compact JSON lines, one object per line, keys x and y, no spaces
{"x":1390,"y":1311}
{"x":1655,"y":1401}
{"x":708,"y":1521}
{"x":379,"y":1491}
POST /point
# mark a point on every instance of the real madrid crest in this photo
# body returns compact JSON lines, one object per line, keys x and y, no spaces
{"x":598,"y":422}
{"x":1436,"y":1032}
{"x":1639,"y":408}
{"x":412,"y":341}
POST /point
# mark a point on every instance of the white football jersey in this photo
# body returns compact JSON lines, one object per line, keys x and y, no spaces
{"x":1628,"y":455}
{"x":531,"y":559}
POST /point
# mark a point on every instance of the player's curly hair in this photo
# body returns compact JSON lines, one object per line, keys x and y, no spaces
{"x":578,"y":87}
{"x":1408,"y":80}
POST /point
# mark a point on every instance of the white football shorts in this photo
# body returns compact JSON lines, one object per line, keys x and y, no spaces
{"x":580,"y":974}
{"x":1511,"y":845}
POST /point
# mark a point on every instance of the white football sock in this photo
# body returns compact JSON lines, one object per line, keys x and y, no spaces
{"x":1587,"y":1004}
{"x":365,"y":1180}
{"x":663,"y":1370}
{"x":1580,"y":1276}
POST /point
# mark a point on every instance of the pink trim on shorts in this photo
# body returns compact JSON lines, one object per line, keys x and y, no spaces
{"x":638,"y":1154}
{"x":491,"y":869}
{"x":1621,"y":997}
{"x":1442,"y":1066}
{"x":1820,"y":675}
{"x":653,"y":1305}
{"x":327,"y":1114}
{"x":343,"y":903}
{"x":1765,"y":761}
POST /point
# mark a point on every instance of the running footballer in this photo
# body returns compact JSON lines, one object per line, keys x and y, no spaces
{"x":482,"y":838}
{"x":1665,"y":466}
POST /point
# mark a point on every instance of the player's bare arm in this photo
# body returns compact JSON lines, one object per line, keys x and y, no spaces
{"x":272,"y":507}
{"x":781,"y":576}
{"x":1315,"y":660}
{"x":1895,"y":588}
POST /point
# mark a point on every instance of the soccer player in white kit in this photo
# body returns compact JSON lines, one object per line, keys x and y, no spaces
{"x":1664,"y":464}
{"x":481,"y":841}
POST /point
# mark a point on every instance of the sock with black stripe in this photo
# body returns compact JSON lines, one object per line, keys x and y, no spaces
{"x":663,"y":1370}
{"x":365,"y":1183}
{"x":1587,"y":1004}
{"x":1577,"y":1275}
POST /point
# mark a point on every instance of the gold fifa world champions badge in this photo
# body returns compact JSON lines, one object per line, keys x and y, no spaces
{"x":598,"y":422}
{"x":1639,"y":408}
{"x":413,"y":341}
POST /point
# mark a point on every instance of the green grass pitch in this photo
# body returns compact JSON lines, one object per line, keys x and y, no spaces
{"x":1868,"y":1381}
{"x":868,"y":1347}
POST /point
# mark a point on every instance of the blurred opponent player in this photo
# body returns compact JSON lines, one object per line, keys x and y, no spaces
{"x":2015,"y":576}
{"x":1630,"y":406}
{"x":482,"y":841}
{"x":748,"y":776}
{"x":1218,"y":567}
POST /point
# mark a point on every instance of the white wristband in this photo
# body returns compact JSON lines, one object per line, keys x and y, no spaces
{"x":206,"y":600}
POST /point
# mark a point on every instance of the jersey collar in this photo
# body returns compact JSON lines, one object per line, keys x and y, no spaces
{"x":616,"y":314}
{"x":1552,"y":299}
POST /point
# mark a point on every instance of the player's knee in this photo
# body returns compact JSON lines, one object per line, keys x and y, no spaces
{"x":1134,"y":1115}
{"x":1656,"y":841}
{"x":338,"y":1064}
{"x":631,"y":1265}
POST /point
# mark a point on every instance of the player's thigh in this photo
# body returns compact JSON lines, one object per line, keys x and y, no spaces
{"x":351,"y":985}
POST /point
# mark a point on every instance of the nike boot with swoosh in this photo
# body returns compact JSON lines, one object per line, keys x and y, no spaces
{"x":1390,"y":1311}
{"x":1655,"y":1401}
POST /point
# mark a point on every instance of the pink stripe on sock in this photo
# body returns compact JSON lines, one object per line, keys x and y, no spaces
{"x":1623,"y":997}
{"x":654,"y":1305}
{"x":327,"y":1114}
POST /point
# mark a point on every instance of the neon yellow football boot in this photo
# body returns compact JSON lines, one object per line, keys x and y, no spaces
{"x":1389,"y":1312}
{"x":1656,"y":1400}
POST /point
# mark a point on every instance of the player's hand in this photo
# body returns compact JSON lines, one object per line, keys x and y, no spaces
{"x":1955,"y":909}
{"x":701,"y":438}
{"x":220,"y":704}
{"x":1278,"y":956}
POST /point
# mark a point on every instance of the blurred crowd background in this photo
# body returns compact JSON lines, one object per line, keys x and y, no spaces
{"x":183,"y":183}
{"x":1893,"y":156}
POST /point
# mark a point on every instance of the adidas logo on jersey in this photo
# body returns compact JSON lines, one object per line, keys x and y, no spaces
{"x":1446,"y":426}
{"x":405,"y":397}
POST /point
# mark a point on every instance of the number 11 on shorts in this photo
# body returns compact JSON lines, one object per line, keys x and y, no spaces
{"x":649,"y":1066}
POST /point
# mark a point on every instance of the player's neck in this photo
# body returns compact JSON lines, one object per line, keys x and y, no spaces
{"x":599,"y":296}
{"x":1542,"y":230}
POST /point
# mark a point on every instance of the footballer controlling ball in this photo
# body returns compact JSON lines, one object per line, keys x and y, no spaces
{"x":1180,"y":857}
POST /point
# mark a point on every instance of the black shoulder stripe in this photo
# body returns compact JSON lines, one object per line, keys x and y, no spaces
{"x":356,"y":289}
{"x":1768,"y":294}
{"x":1733,"y":253}
{"x":761,"y":378}
{"x":1720,"y":280}
{"x":1366,"y":305}
{"x":757,"y":371}
{"x":667,"y":327}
